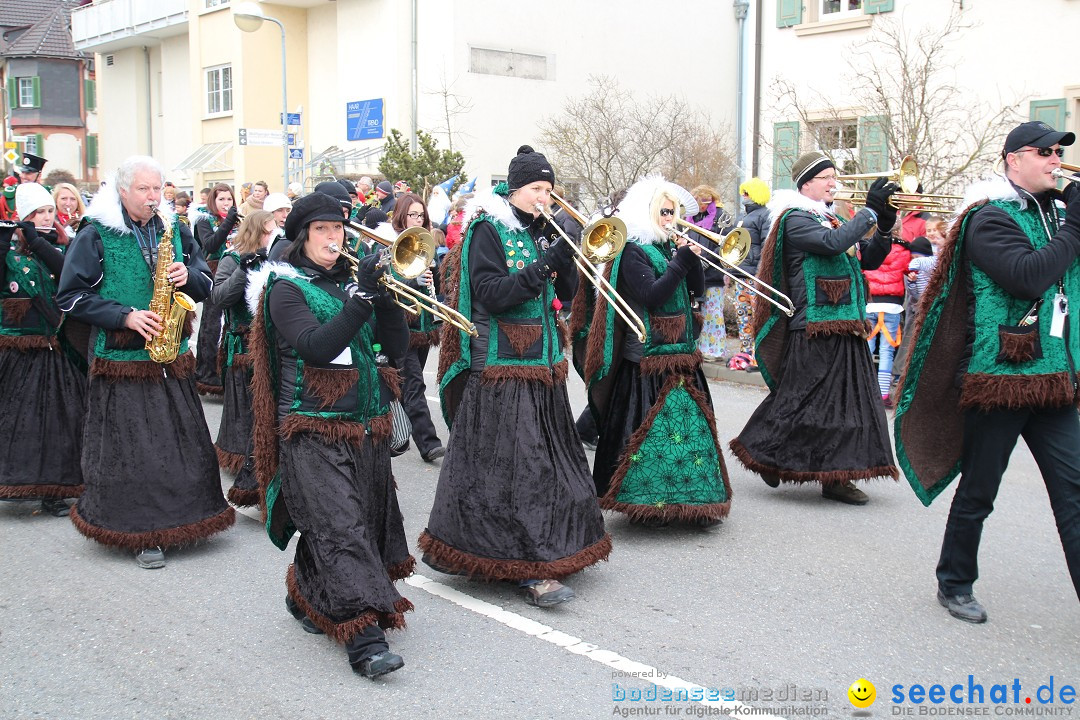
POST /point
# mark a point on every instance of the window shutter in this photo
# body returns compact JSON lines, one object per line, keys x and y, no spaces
{"x":785,"y":152}
{"x":39,"y":139}
{"x":1051,"y":112}
{"x":788,"y":13}
{"x":91,"y":151}
{"x":13,"y":92}
{"x":90,"y":95}
{"x":36,"y":83}
{"x":873,"y":144}
{"x":872,"y":7}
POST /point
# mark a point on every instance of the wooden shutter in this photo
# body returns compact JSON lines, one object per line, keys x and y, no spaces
{"x":785,"y":152}
{"x":872,"y":7}
{"x":873,"y":144}
{"x":39,"y":141}
{"x":91,"y":151}
{"x":1051,"y":112}
{"x":90,"y":95}
{"x":36,"y":83}
{"x":788,"y":13}
{"x":13,"y":92}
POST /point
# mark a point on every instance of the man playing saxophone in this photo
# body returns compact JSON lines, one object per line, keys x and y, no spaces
{"x":150,"y":470}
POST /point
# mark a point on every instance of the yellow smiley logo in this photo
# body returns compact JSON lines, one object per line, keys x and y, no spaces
{"x":862,"y":693}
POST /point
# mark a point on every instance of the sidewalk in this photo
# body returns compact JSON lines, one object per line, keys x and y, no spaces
{"x":720,"y":371}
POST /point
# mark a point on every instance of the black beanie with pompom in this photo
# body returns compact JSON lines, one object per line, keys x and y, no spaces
{"x":528,"y":166}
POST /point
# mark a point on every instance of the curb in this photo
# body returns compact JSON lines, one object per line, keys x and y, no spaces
{"x":720,"y":371}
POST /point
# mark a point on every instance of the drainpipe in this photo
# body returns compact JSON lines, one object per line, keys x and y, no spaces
{"x":741,"y":8}
{"x":757,"y":88}
{"x":415,"y":80}
{"x":149,"y":104}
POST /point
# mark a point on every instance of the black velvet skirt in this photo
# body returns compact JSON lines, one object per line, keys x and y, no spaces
{"x":235,"y":443}
{"x":151,"y":475}
{"x":515,"y":500}
{"x":680,"y":489}
{"x":42,"y":401}
{"x":825,"y":421}
{"x":352,"y":544}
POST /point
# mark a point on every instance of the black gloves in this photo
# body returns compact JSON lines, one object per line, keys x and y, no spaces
{"x":248,"y":260}
{"x":1070,"y":194}
{"x":684,"y":258}
{"x":368,"y":274}
{"x":7,"y":229}
{"x":559,"y":256}
{"x":230,"y":218}
{"x":29,"y":231}
{"x":877,"y":199}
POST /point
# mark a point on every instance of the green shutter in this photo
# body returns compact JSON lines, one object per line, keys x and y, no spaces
{"x":872,"y":7}
{"x":785,"y":152}
{"x":90,"y":95}
{"x":91,"y":151}
{"x":873,"y":144}
{"x":788,"y":13}
{"x":1051,"y":112}
{"x":13,"y":93}
{"x":39,"y":140}
{"x":36,"y":82}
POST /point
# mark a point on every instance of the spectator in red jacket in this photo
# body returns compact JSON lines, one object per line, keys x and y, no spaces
{"x":884,"y":310}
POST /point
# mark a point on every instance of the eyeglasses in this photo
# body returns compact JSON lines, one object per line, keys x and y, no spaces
{"x":824,"y":177}
{"x":415,"y":216}
{"x":1045,"y":152}
{"x":666,"y":212}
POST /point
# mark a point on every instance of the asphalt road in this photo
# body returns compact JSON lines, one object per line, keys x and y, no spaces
{"x":792,"y":595}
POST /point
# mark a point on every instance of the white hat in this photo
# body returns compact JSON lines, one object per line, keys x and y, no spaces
{"x":30,"y":197}
{"x":296,"y":188}
{"x":276,"y":201}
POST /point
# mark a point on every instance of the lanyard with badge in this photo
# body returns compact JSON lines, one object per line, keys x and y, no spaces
{"x":1060,"y":309}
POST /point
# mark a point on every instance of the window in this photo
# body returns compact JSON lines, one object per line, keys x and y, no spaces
{"x":839,"y":139}
{"x":216,"y":3}
{"x":24,"y":92}
{"x":508,"y":63}
{"x":34,"y":144}
{"x":832,"y":9}
{"x":219,"y":90}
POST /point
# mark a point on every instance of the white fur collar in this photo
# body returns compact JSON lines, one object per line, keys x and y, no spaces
{"x":494,"y":205}
{"x":783,"y":200}
{"x":106,"y":209}
{"x":256,"y":281}
{"x":634,"y":210}
{"x":992,"y":188}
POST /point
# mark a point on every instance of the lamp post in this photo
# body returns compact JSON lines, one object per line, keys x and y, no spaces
{"x":249,"y":17}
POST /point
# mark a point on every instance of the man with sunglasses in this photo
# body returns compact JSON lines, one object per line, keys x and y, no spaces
{"x":995,"y":359}
{"x":823,"y":421}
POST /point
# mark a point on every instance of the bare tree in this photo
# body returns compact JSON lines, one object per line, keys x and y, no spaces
{"x":608,"y":139}
{"x":907,"y":76}
{"x":452,"y":106}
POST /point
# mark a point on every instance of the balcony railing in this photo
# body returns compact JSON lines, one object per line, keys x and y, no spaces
{"x":114,"y":24}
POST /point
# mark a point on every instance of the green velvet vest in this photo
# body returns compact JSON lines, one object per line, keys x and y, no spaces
{"x":127,"y":279}
{"x":238,"y":320}
{"x":669,"y":328}
{"x":26,"y":281}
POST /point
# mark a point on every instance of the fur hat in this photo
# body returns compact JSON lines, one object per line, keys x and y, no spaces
{"x":30,"y":197}
{"x":528,"y":166}
{"x":808,"y":165}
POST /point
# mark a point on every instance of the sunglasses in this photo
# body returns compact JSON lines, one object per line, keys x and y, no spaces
{"x":1045,"y":152}
{"x":666,"y":212}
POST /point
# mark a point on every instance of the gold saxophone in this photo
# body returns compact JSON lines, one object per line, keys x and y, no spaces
{"x":168,"y":303}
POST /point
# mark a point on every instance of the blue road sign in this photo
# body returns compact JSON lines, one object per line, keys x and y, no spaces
{"x":296,"y":154}
{"x":294,"y":118}
{"x":364,"y":119}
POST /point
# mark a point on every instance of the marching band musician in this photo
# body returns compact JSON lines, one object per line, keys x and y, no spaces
{"x":234,"y":440}
{"x":42,"y":392}
{"x":994,"y":358}
{"x":514,"y":500}
{"x":410,"y":211}
{"x":212,"y":230}
{"x":322,"y":427}
{"x":69,"y":207}
{"x":645,"y":394}
{"x":823,"y":420}
{"x":151,"y":476}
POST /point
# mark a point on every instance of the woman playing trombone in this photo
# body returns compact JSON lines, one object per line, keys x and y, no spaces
{"x":514,"y":500}
{"x":658,"y":458}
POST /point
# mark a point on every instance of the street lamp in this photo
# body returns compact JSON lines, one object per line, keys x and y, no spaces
{"x":249,"y":17}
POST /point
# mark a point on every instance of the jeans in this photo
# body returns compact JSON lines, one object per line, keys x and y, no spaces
{"x":886,"y":351}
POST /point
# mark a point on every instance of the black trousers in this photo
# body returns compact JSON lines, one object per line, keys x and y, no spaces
{"x":414,"y":400}
{"x":206,"y":350}
{"x":586,"y":426}
{"x":370,"y":641}
{"x":989,"y":438}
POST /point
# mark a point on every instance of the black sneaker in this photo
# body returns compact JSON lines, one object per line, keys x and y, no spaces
{"x":305,"y":622}
{"x":844,"y":492}
{"x":771,"y":479}
{"x":57,"y":507}
{"x":433,"y":454}
{"x":378,"y":665}
{"x":963,"y":607}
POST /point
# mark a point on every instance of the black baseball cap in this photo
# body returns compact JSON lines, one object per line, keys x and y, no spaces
{"x":1036,"y":134}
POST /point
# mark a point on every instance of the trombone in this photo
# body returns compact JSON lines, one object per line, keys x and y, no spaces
{"x":1061,"y":173}
{"x":734,"y":247}
{"x":909,"y":199}
{"x":410,"y":254}
{"x":601,"y":241}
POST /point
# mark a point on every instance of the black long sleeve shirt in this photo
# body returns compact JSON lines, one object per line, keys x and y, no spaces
{"x":644,"y":291}
{"x":78,"y":292}
{"x":211,"y":240}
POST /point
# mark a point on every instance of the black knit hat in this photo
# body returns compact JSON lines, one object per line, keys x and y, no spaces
{"x":348,"y":185}
{"x":311,"y":208}
{"x":528,"y":166}
{"x":374,"y":218}
{"x":336,"y":191}
{"x":922,"y":246}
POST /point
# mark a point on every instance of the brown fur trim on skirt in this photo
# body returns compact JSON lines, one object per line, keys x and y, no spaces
{"x":143,"y":370}
{"x":982,"y":391}
{"x":332,"y":431}
{"x":170,"y":537}
{"x":344,"y":631}
{"x":401,"y":570}
{"x":391,"y":377}
{"x":330,"y":384}
{"x":495,"y":374}
{"x":40,"y":491}
{"x":859,"y":328}
{"x":25,"y":343}
{"x":14,"y":309}
{"x":241,"y":361}
{"x":683,"y":364}
{"x":243,"y":498}
{"x":229,"y":460}
{"x":483,"y":568}
{"x":668,"y":513}
{"x":424,"y":339}
{"x":825,"y":477}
